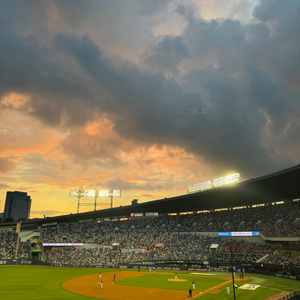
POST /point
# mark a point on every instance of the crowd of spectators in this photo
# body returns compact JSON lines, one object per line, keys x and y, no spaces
{"x":273,"y":221}
{"x":175,"y":247}
{"x":285,"y":260}
{"x":24,"y":249}
{"x":94,"y":256}
{"x":281,"y":220}
{"x":8,"y":245}
{"x":135,"y":242}
{"x":167,"y":237}
{"x":174,"y":232}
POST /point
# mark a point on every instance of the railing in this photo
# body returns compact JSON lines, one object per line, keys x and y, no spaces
{"x":291,"y":296}
{"x":262,"y":258}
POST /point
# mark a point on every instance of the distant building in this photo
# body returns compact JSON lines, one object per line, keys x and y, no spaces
{"x":17,"y":206}
{"x":134,"y":202}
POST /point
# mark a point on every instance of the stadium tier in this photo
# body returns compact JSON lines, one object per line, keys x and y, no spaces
{"x":167,"y":238}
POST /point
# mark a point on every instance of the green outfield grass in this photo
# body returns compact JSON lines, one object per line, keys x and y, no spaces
{"x":160,"y":281}
{"x":45,"y":283}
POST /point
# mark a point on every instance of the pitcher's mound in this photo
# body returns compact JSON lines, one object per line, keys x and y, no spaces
{"x":177,"y":280}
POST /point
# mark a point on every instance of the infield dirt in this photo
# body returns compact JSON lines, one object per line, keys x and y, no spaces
{"x":89,"y":286}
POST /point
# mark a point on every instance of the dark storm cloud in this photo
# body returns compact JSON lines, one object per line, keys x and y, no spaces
{"x":228,"y":135}
{"x":55,"y":91}
{"x":284,"y":44}
{"x":24,"y":14}
{"x":242,"y":91}
{"x":75,"y":11}
{"x":148,"y":7}
{"x":165,"y":55}
{"x":241,"y":82}
{"x":118,"y":26}
{"x":143,"y":103}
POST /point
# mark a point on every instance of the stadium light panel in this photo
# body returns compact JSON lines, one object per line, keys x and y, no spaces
{"x":200,"y":187}
{"x":108,"y":193}
{"x":226,"y":180}
{"x":104,"y":193}
{"x":82,"y":193}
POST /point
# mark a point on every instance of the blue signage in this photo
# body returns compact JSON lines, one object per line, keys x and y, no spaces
{"x":239,"y":233}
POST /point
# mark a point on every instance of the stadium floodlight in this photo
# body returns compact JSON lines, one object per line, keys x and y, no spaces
{"x":215,"y":183}
{"x":104,"y":193}
{"x":199,"y":187}
{"x":83,"y":193}
{"x":111,"y":194}
{"x":94,"y":193}
{"x":108,"y":193}
{"x":227,"y":180}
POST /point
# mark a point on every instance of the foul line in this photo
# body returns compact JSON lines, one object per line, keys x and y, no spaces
{"x":213,"y":288}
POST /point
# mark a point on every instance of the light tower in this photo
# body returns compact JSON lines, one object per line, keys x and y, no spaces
{"x":111,"y":194}
{"x":80,"y":194}
{"x":94,"y":193}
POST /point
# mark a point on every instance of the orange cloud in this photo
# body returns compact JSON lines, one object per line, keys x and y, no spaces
{"x":14,"y":100}
{"x":55,"y":161}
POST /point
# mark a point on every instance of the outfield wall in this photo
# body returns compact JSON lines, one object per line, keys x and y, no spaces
{"x":23,"y":261}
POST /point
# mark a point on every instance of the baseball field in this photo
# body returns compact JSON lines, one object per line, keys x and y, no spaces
{"x":49,"y":283}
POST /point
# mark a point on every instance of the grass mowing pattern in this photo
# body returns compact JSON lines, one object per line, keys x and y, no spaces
{"x":160,"y":281}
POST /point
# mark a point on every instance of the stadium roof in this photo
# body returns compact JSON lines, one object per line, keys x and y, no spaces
{"x":279,"y":186}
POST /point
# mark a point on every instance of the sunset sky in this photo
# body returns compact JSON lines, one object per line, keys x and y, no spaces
{"x":144,"y":96}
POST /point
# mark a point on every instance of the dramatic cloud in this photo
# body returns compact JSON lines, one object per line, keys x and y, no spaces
{"x":146,"y":97}
{"x":6,"y":165}
{"x":165,"y":55}
{"x":118,"y":183}
{"x":233,"y":9}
